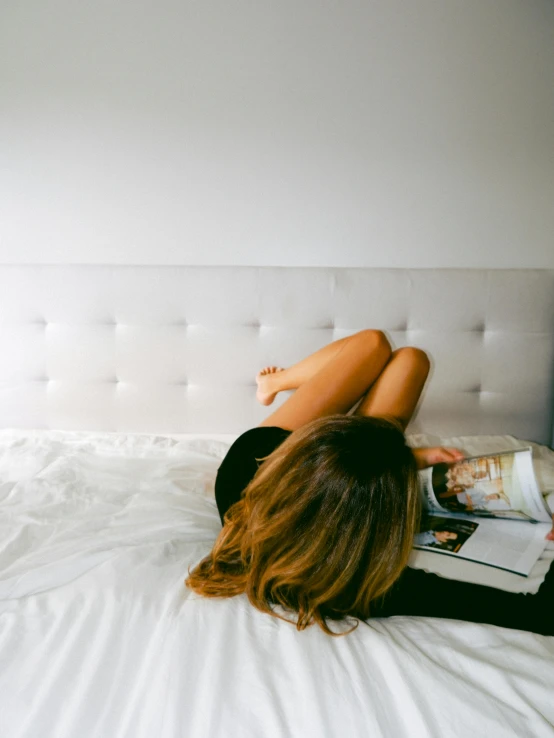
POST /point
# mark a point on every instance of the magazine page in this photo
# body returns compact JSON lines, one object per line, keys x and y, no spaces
{"x":510,"y":545}
{"x":428,"y":499}
{"x":496,"y":486}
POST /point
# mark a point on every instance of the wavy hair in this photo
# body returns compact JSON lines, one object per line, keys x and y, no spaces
{"x":324,"y":528}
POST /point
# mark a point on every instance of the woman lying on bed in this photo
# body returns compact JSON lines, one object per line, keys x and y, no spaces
{"x":325,"y":525}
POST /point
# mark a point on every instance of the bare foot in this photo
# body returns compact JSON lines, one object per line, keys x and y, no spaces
{"x":265,"y":380}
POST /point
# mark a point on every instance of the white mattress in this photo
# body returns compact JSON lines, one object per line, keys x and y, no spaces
{"x":100,"y":638}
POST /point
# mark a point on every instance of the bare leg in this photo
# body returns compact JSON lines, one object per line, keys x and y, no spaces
{"x":331,"y":380}
{"x":397,"y":390}
{"x":273,"y":380}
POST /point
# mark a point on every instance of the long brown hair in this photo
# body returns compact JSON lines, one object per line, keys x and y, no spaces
{"x":324,"y":528}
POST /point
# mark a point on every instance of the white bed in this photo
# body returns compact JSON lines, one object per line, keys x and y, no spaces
{"x":99,"y":637}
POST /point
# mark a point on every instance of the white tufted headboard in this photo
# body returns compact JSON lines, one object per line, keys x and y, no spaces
{"x":175,"y":349}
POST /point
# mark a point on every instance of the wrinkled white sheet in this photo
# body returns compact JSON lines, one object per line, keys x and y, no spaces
{"x":99,"y":637}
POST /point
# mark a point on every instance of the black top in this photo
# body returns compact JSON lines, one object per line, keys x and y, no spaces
{"x":416,"y":592}
{"x":242,"y":462}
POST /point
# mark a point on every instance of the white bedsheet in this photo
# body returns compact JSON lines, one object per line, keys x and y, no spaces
{"x":100,"y":638}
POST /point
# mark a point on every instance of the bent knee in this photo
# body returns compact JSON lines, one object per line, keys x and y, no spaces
{"x":415,"y":356}
{"x":375,"y":340}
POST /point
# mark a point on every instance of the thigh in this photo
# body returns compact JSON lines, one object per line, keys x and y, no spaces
{"x":338,"y":385}
{"x":396,"y":392}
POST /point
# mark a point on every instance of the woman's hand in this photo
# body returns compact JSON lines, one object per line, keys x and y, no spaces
{"x":426,"y":457}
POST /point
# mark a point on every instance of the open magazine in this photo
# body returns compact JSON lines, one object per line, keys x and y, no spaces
{"x":487,"y":509}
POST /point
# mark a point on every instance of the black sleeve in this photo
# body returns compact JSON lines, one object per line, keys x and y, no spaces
{"x":240,"y":464}
{"x":418,"y":593}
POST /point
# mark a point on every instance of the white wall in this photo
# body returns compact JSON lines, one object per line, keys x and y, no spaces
{"x":301,"y":132}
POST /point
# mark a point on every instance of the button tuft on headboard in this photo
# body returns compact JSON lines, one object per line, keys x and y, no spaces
{"x":500,"y":337}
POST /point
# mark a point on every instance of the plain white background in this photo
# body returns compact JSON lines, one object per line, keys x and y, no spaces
{"x":290,"y":132}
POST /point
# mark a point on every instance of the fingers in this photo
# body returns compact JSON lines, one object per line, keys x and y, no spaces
{"x":426,"y":457}
{"x":451,"y":455}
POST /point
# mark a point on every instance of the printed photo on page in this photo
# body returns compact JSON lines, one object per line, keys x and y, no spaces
{"x":510,"y":545}
{"x":500,"y":485}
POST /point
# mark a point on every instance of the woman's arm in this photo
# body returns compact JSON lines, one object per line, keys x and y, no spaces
{"x":420,"y":594}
